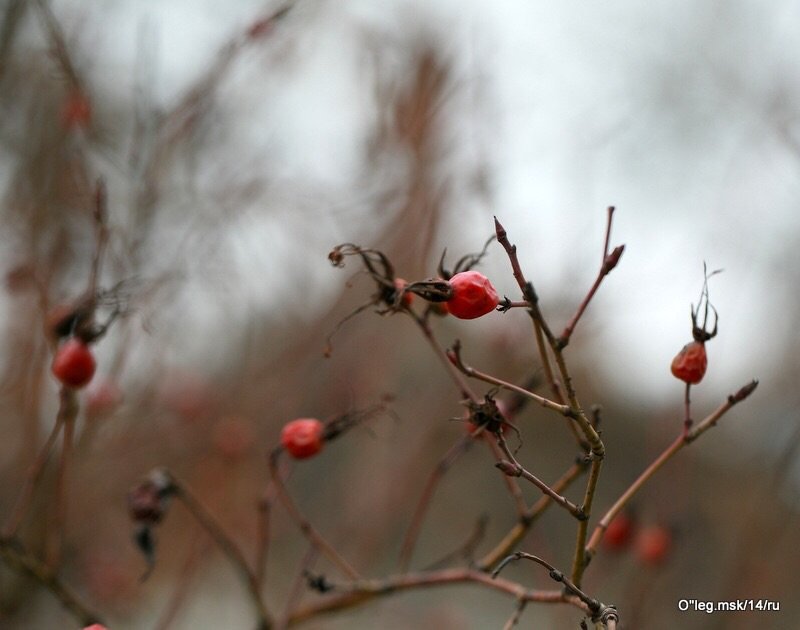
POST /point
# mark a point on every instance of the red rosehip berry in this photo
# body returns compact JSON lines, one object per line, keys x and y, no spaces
{"x":73,"y":363}
{"x":96,"y":626}
{"x":303,"y":438}
{"x":473,"y":295}
{"x":690,"y":364}
{"x":233,"y":437}
{"x":653,"y":544}
{"x":619,"y":532}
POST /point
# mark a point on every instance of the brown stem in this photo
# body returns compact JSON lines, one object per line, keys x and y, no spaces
{"x":298,"y":585}
{"x":513,"y":468}
{"x":440,"y":352}
{"x":575,"y":411}
{"x":57,"y":41}
{"x":31,"y":481}
{"x":555,"y":574}
{"x":264,"y":530}
{"x":19,"y":559}
{"x":454,"y":355}
{"x":101,"y":237}
{"x":526,"y":287}
{"x":410,"y":540}
{"x":682,"y":440}
{"x":358,"y":593}
{"x":313,"y":536}
{"x":516,"y":615}
{"x":231,"y":551}
{"x":68,"y":411}
{"x":518,"y":531}
{"x":466,"y":550}
{"x":608,"y":263}
{"x":511,"y":483}
{"x":687,"y":410}
{"x":579,"y":561}
{"x":184,"y":583}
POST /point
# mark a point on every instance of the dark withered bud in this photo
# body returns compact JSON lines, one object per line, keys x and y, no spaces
{"x":148,"y":502}
{"x":145,"y":541}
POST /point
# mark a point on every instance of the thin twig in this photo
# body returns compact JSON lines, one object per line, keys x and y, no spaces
{"x":264,"y":531}
{"x":231,"y":551}
{"x":18,"y":558}
{"x":513,"y":468}
{"x":454,"y":354}
{"x":528,"y":292}
{"x":440,"y":352}
{"x":466,"y":550}
{"x":610,"y":260}
{"x":184,"y":583}
{"x":298,"y":585}
{"x":447,"y":460}
{"x":682,"y":440}
{"x":687,"y":410}
{"x":601,"y":613}
{"x":523,"y":525}
{"x":308,"y":530}
{"x":32,"y":480}
{"x":516,"y":615}
{"x":510,"y":481}
{"x":361,"y":592}
{"x":68,"y":411}
{"x":58,"y":42}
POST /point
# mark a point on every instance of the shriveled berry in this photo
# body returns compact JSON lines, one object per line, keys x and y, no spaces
{"x":619,"y":532}
{"x":653,"y":544}
{"x":73,"y":363}
{"x":473,"y":295}
{"x":146,"y":503}
{"x":303,"y":438}
{"x":690,"y":364}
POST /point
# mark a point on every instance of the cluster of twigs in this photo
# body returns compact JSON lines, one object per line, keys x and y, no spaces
{"x":489,"y":420}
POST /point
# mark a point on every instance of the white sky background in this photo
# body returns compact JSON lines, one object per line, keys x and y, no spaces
{"x":676,"y":112}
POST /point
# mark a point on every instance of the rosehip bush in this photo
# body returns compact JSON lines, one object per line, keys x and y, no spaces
{"x":303,"y":438}
{"x":473,"y":295}
{"x":73,"y":363}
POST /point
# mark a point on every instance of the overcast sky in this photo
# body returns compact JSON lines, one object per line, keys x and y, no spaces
{"x":683,"y":114}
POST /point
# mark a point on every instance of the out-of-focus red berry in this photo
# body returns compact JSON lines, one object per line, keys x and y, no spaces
{"x":653,"y":544}
{"x":77,"y":111}
{"x":690,"y":364}
{"x":107,"y":577}
{"x":473,"y":295}
{"x":73,"y":363}
{"x":233,"y":437}
{"x":189,"y":396}
{"x":102,"y":398}
{"x":302,"y":438}
{"x":619,"y":532}
{"x":96,"y":626}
